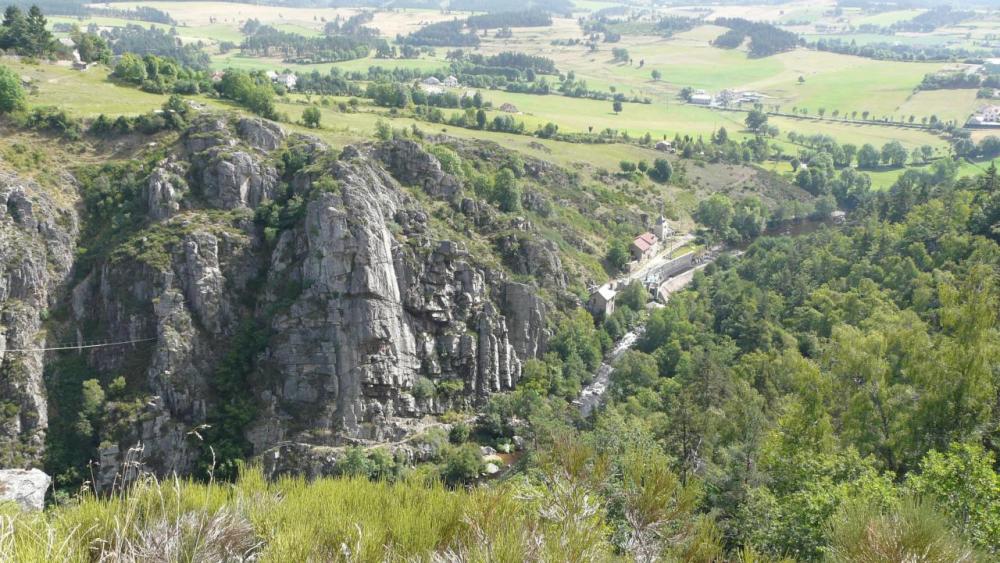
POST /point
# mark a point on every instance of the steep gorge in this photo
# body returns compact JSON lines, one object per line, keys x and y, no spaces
{"x":281,"y":298}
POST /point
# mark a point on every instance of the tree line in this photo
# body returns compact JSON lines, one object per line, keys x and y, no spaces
{"x":765,"y":39}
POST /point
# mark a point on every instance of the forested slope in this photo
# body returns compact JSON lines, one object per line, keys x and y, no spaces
{"x":825,"y":371}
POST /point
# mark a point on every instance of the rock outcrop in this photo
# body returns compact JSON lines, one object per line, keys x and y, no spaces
{"x":37,"y":238}
{"x":27,"y":488}
{"x":340,"y":281}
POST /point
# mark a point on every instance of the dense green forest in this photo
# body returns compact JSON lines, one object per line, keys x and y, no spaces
{"x":843,"y":369}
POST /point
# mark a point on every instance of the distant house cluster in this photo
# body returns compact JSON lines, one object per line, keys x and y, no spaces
{"x":433,"y":85}
{"x":701,"y":98}
{"x":986,"y":116}
{"x":725,"y":98}
{"x":287,"y":79}
{"x":730,"y":97}
{"x":643,"y":247}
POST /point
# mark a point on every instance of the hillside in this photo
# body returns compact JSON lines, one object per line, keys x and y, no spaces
{"x":551,"y":280}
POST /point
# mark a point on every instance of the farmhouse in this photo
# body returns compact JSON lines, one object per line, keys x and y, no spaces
{"x":644,"y":246}
{"x":602,"y":301}
{"x":664,"y":146}
{"x":288,"y":80}
{"x":702,"y":99}
{"x":431,"y":81}
{"x":509,"y":107}
{"x":451,"y":82}
{"x":986,"y":116}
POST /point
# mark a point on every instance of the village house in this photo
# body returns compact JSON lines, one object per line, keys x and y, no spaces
{"x":986,"y":116}
{"x":431,"y":81}
{"x":217,"y":76}
{"x":288,"y":80}
{"x":451,"y":82}
{"x":644,"y":246}
{"x":602,"y":301}
{"x":701,"y":98}
{"x":664,"y":146}
{"x":508,"y":107}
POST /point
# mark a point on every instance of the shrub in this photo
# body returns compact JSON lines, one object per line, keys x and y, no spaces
{"x":459,"y":433}
{"x":12,"y":96}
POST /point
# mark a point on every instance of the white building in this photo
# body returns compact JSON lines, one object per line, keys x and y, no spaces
{"x":451,"y":82}
{"x":986,"y":116}
{"x":662,"y":229}
{"x":288,"y":80}
{"x":702,"y":99}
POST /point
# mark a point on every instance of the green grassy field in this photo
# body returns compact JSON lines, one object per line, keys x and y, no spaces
{"x":234,"y":59}
{"x":885,"y":18}
{"x":832,"y":81}
{"x":84,"y":94}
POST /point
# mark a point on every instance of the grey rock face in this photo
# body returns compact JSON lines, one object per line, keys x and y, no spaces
{"x":230,"y":175}
{"x":525,"y":313}
{"x":25,"y":487}
{"x":165,"y":189}
{"x":531,"y":256}
{"x":260,"y":133}
{"x":37,"y":238}
{"x":354,"y":298}
{"x":233,"y":179}
{"x":411,"y":165}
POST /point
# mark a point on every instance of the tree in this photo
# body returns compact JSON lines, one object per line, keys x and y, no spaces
{"x":506,"y":191}
{"x":634,"y":371}
{"x":634,"y":296}
{"x":461,"y":464}
{"x":12,"y":97}
{"x":894,"y":153}
{"x":616,"y":106}
{"x":749,"y":218}
{"x":657,"y":75}
{"x":661,"y":170}
{"x":868,"y":157}
{"x":756,"y":120}
{"x":964,"y":484}
{"x":618,"y":256}
{"x":716,"y":213}
{"x":480,"y":117}
{"x":131,"y":68}
{"x":311,"y":117}
{"x":92,"y":48}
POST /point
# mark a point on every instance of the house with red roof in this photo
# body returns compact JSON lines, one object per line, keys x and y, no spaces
{"x":644,"y":246}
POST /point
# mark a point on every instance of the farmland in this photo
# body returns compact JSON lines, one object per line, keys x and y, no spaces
{"x":829,"y":94}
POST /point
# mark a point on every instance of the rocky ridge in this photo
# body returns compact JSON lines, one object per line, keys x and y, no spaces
{"x":360,"y":318}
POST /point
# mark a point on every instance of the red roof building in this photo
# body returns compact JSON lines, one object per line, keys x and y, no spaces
{"x":644,"y":246}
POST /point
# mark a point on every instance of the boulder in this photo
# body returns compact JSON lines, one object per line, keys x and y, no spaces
{"x":26,"y":487}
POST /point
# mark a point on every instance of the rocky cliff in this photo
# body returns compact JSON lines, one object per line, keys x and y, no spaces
{"x":38,"y":229}
{"x":277,"y":292}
